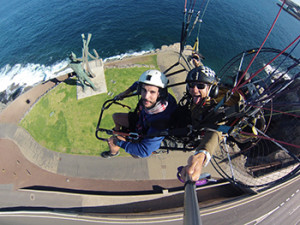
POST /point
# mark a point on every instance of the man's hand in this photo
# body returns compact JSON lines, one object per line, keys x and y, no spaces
{"x":196,"y":63}
{"x":194,"y":167}
{"x":112,"y":144}
{"x":119,"y":97}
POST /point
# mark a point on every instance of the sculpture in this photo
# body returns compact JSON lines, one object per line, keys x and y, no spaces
{"x":81,"y":65}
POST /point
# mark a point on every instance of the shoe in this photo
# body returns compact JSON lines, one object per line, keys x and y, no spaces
{"x":107,"y":154}
{"x":157,"y":152}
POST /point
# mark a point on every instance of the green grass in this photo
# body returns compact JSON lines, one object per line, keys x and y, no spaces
{"x":60,"y":122}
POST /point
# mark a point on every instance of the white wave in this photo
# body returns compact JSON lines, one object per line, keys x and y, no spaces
{"x":125,"y":55}
{"x":276,"y":74}
{"x":12,"y":78}
{"x":28,"y":74}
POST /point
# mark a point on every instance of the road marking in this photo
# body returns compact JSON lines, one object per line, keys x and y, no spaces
{"x":249,"y":199}
{"x":294,"y":210}
{"x":89,"y":219}
{"x":260,"y":219}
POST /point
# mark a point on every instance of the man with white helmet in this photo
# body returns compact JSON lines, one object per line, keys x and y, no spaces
{"x":154,"y":111}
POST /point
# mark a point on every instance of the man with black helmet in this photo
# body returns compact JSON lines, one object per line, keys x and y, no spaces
{"x":154,"y":111}
{"x":202,"y":90}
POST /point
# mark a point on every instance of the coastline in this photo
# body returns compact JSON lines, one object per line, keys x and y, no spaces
{"x":2,"y":106}
{"x":129,"y":60}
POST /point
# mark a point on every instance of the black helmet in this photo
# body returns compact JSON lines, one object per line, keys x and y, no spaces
{"x":205,"y":75}
{"x":201,"y":74}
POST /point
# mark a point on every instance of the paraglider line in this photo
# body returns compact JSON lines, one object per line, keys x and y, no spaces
{"x":237,"y":86}
{"x":246,"y":81}
{"x":270,"y":139}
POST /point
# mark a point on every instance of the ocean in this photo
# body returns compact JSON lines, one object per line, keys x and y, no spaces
{"x":38,"y":35}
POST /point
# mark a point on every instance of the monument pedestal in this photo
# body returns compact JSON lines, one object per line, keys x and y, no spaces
{"x":97,"y":69}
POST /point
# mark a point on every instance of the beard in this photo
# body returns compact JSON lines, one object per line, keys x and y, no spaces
{"x":148,"y":104}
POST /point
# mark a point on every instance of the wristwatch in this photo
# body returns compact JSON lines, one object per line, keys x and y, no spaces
{"x":118,"y":142}
{"x":207,"y":156}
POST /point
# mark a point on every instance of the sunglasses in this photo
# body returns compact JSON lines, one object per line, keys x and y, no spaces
{"x":198,"y":85}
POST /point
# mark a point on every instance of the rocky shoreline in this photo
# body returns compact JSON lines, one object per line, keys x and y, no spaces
{"x":2,"y":106}
{"x":126,"y":62}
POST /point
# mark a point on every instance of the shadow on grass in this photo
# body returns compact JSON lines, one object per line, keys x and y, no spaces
{"x":70,"y":81}
{"x":74,"y":81}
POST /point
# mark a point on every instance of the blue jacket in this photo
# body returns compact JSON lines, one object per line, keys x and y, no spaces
{"x":147,"y":145}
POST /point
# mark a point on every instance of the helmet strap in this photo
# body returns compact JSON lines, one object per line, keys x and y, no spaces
{"x":208,"y":94}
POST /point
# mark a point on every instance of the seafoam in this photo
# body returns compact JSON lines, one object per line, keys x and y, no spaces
{"x":18,"y":77}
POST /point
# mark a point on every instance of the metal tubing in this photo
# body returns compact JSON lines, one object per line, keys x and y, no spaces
{"x":191,"y":207}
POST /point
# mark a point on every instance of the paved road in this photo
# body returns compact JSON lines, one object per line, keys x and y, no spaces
{"x":280,"y":205}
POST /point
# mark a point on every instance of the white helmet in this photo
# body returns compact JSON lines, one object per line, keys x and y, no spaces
{"x":155,"y":78}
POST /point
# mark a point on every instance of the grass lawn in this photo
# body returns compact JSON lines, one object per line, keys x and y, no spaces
{"x":60,"y":122}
